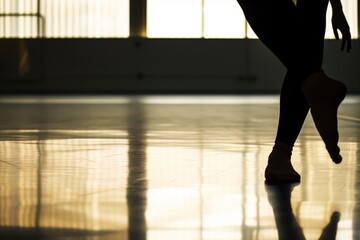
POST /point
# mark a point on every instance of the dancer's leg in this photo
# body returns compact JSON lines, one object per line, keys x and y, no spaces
{"x":323,"y":94}
{"x":293,"y":104}
{"x":276,"y":24}
{"x":295,"y":34}
{"x":279,"y":25}
{"x":273,"y":22}
{"x":293,"y":111}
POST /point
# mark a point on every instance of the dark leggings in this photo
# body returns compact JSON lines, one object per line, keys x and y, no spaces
{"x":295,"y":34}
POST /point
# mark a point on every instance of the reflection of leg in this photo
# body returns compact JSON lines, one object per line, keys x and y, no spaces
{"x":293,"y":111}
{"x":330,"y":231}
{"x":279,"y":196}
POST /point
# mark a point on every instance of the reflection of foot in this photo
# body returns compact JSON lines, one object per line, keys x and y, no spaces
{"x":279,"y":196}
{"x":279,"y":168}
{"x":324,"y":96}
{"x":330,"y":231}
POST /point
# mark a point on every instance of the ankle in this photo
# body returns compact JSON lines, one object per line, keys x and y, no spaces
{"x":280,"y":152}
{"x":283,"y":147}
{"x":314,"y":81}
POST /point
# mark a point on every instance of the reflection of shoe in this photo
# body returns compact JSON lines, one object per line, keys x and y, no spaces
{"x":279,"y":196}
{"x":324,"y":96}
{"x":279,"y":168}
{"x":330,"y":231}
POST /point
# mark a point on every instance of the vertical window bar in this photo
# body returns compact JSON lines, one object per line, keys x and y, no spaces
{"x":2,"y":5}
{"x":13,"y":19}
{"x":28,"y":19}
{"x":32,"y":20}
{"x":2,"y":18}
{"x":21,"y":19}
{"x":8,"y":20}
{"x":16,"y":27}
{"x":138,"y":11}
{"x":39,"y":7}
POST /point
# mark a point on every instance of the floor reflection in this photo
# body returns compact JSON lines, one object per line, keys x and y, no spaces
{"x":136,"y":193}
{"x":279,"y":196}
{"x":136,"y":168}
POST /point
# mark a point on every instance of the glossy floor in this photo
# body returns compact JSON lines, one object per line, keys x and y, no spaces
{"x":169,"y":168}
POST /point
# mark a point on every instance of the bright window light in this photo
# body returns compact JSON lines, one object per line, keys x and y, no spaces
{"x":111,"y":18}
{"x":223,"y":19}
{"x":215,"y":19}
{"x":350,"y":9}
{"x":174,"y":18}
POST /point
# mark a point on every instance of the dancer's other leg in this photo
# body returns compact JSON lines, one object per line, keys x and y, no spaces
{"x":323,"y":94}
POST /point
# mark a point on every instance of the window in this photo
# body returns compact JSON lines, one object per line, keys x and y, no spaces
{"x":194,"y":19}
{"x":215,"y":19}
{"x":350,"y":8}
{"x":111,"y":19}
{"x":64,"y":18}
{"x":174,"y":18}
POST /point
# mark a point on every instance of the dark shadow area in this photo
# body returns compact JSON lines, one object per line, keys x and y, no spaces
{"x":16,"y":233}
{"x":21,"y":61}
{"x":279,"y":196}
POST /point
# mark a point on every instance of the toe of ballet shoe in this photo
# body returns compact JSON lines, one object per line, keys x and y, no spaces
{"x":337,"y":159}
{"x":334,"y":152}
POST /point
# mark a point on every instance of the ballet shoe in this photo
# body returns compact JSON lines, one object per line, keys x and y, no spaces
{"x":279,"y":168}
{"x":324,"y":96}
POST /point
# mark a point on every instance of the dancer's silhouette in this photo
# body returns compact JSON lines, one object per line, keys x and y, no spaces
{"x":295,"y":34}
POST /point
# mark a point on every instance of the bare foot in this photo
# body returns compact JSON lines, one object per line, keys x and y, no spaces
{"x":279,"y":168}
{"x":324,"y":96}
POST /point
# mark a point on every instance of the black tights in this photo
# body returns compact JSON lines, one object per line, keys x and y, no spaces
{"x":295,"y":34}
